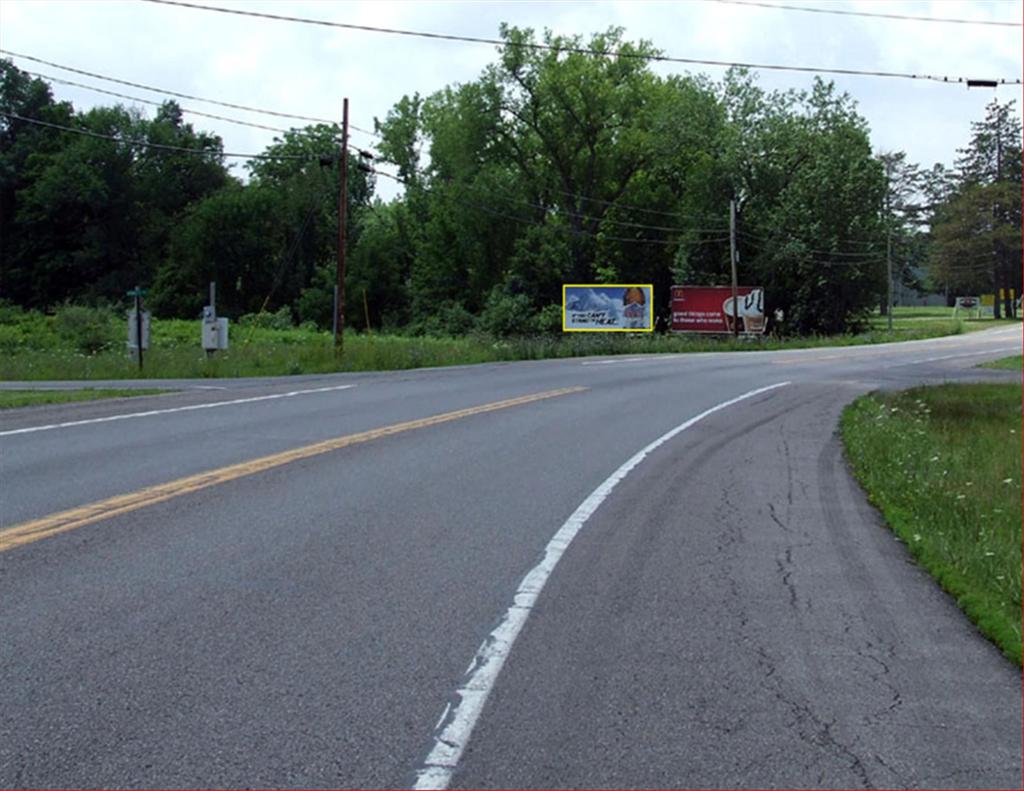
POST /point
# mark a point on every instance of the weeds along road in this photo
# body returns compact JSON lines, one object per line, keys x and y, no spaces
{"x":591,"y":572}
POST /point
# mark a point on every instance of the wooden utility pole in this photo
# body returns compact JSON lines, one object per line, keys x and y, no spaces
{"x":732,"y":263}
{"x":888,"y":251}
{"x":339,"y":336}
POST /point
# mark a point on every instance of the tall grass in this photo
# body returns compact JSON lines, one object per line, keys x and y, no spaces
{"x":89,"y":344}
{"x":943,"y":464}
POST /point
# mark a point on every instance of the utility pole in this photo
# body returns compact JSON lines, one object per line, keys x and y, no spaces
{"x":888,"y":246}
{"x":339,"y":317}
{"x":732,"y":263}
{"x":888,"y":272}
{"x":1001,"y":266}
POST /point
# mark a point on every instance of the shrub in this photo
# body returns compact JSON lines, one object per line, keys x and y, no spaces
{"x":89,"y":330}
{"x":507,"y":314}
{"x":549,"y":320}
{"x":281,"y":319}
{"x":449,"y":320}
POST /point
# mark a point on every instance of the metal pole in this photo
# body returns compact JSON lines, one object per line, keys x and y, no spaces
{"x":732,"y":263}
{"x":213,"y":297}
{"x":339,"y":315}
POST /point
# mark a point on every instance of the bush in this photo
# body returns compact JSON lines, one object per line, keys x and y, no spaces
{"x":549,"y":320}
{"x":450,"y":319}
{"x":88,"y":330}
{"x":507,"y":314}
{"x":281,"y":319}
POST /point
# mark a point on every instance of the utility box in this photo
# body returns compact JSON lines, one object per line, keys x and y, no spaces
{"x":215,"y":332}
{"x":133,"y":332}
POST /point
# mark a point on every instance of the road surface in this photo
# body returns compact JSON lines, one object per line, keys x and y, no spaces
{"x":601,"y":572}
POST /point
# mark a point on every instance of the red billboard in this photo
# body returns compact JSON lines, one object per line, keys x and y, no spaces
{"x":710,"y":309}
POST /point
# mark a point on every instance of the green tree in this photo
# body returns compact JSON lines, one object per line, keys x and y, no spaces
{"x":972,"y":239}
{"x":235,"y":238}
{"x":810,"y":195}
{"x":993,"y":157}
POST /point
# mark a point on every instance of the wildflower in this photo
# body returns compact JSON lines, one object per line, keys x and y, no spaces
{"x":970,"y":483}
{"x":1007,"y":480}
{"x":961,"y":496}
{"x":917,"y":536}
{"x":934,"y":458}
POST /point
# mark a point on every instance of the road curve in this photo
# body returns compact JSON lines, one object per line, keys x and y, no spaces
{"x":731,"y":614}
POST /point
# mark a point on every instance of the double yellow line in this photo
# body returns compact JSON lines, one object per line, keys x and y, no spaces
{"x":27,"y":532}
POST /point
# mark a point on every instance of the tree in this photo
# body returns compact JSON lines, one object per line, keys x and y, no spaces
{"x":973,"y":244}
{"x":902,"y":208}
{"x":234,"y":238}
{"x":576,"y":125}
{"x":810,"y":194}
{"x":971,"y":240}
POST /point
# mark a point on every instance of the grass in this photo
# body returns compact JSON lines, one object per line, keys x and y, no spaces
{"x":10,"y":399}
{"x":1004,"y":364}
{"x":35,"y":347}
{"x":933,"y":319}
{"x":943,"y":464}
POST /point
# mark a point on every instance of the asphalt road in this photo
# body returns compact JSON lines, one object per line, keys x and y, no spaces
{"x":732,"y":613}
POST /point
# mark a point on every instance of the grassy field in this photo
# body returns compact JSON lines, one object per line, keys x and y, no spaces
{"x":933,"y":319}
{"x":82,"y":344}
{"x":1005,"y":364}
{"x":943,"y":464}
{"x":9,"y":399}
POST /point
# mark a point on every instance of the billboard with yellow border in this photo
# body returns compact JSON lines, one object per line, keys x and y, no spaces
{"x":607,"y":307}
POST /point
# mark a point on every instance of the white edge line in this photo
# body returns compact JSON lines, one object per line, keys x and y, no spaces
{"x":954,"y":356}
{"x":453,"y":731}
{"x":152,"y":412}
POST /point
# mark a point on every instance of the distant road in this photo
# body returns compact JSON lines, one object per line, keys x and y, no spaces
{"x":601,"y":572}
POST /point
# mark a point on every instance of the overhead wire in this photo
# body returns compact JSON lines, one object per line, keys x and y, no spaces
{"x":179,"y":95}
{"x":525,"y":221}
{"x":843,"y":12}
{"x":158,"y":146}
{"x":573,"y":49}
{"x":154,"y":103}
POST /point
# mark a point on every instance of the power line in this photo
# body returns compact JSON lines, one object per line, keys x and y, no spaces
{"x":147,"y":144}
{"x":577,"y":50}
{"x":495,"y":212}
{"x":585,"y":198}
{"x":168,"y":92}
{"x":870,"y":14}
{"x":154,"y":103}
{"x":851,"y":242}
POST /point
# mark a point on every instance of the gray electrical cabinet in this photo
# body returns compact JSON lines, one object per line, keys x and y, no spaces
{"x":215,"y":331}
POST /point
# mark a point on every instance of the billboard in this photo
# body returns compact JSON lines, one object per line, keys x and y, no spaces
{"x":709,"y":309}
{"x":607,"y":307}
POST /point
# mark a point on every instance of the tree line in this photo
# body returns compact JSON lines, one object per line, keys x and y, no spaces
{"x":552,"y":167}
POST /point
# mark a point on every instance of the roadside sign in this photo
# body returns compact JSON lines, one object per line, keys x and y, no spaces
{"x":607,"y":307}
{"x":709,"y":309}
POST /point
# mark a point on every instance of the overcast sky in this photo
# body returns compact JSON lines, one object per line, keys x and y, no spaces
{"x":306,"y":69}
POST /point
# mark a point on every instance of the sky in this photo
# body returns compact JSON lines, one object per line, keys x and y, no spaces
{"x":307,"y":69}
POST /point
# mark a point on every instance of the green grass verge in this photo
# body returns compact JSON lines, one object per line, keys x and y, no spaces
{"x":1004,"y":364}
{"x":943,"y":464}
{"x":11,"y":399}
{"x":32,"y":348}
